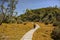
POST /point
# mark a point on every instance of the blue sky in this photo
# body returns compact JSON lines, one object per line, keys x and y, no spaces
{"x":34,"y":4}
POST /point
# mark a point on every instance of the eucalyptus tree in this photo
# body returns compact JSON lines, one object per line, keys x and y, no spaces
{"x":2,"y":10}
{"x":7,"y":10}
{"x":12,"y":6}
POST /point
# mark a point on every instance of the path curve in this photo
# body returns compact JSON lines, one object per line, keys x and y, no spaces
{"x":29,"y":34}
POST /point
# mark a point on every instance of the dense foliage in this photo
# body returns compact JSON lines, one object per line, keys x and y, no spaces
{"x":49,"y":15}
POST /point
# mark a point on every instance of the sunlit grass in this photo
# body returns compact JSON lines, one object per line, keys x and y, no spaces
{"x":43,"y":33}
{"x":16,"y":31}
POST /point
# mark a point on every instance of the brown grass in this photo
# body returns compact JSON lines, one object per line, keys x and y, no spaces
{"x":43,"y":33}
{"x":16,"y":31}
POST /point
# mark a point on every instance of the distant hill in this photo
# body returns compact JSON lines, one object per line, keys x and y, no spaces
{"x":48,"y":15}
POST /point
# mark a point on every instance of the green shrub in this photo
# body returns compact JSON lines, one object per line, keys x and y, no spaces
{"x":56,"y":23}
{"x":56,"y":33}
{"x":46,"y":23}
{"x":0,"y":21}
{"x":19,"y":21}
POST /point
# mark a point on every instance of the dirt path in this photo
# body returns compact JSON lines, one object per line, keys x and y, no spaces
{"x":29,"y":34}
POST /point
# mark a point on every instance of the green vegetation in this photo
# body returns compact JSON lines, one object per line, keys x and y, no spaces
{"x":46,"y":15}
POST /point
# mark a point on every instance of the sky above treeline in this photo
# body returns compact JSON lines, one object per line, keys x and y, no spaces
{"x":34,"y":4}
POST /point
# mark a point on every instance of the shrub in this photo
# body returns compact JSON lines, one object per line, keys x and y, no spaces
{"x":0,"y":21}
{"x":19,"y":21}
{"x":56,"y":33}
{"x":25,"y":23}
{"x":46,"y":23}
{"x":56,"y":23}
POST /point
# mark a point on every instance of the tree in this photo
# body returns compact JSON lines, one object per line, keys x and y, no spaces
{"x":12,"y":6}
{"x":2,"y":10}
{"x":7,"y":10}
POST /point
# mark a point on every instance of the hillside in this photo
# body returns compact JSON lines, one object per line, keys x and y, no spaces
{"x":49,"y":14}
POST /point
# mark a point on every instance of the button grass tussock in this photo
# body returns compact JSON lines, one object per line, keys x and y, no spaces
{"x":16,"y":31}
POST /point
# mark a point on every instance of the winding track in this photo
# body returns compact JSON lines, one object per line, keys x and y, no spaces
{"x":29,"y":34}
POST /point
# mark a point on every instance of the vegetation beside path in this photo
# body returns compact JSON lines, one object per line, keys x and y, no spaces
{"x":16,"y":31}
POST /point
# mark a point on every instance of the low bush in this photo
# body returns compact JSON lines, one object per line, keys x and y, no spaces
{"x":56,"y":33}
